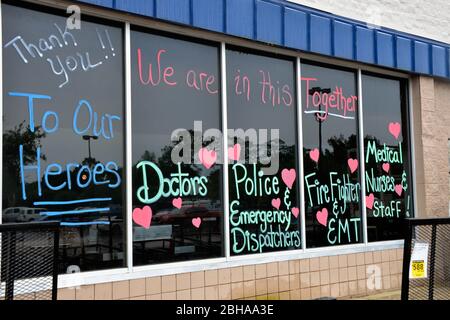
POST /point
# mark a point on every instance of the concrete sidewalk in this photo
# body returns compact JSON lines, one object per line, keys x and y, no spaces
{"x":389,"y":295}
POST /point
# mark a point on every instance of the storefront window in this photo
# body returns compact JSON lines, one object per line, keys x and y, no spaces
{"x":331,"y":162}
{"x":63,"y":143}
{"x":386,"y":140}
{"x":263,"y":180}
{"x":177,"y":151}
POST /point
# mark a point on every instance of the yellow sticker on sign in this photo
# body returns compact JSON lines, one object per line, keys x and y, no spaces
{"x":418,"y":269}
{"x":419,"y":261}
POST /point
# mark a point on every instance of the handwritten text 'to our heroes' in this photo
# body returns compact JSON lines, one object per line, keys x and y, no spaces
{"x":85,"y":120}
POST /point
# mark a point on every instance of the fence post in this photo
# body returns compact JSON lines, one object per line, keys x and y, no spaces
{"x":406,"y":259}
{"x":432,"y":264}
{"x":55,"y":264}
{"x":10,"y":262}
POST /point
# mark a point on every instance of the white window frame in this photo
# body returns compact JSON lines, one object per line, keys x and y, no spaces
{"x":136,"y":272}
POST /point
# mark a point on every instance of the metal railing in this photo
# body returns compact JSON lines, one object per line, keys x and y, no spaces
{"x":426,"y":274}
{"x":29,"y":261}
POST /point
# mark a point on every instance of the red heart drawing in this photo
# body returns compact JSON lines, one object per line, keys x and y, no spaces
{"x":314,"y":155}
{"x":295,"y":212}
{"x":276,"y":203}
{"x":386,"y":166}
{"x":288,"y":176}
{"x":207,"y":158}
{"x":395,"y":129}
{"x":143,"y":217}
{"x":322,"y":216}
{"x":352,"y":164}
{"x":234,"y":153}
{"x":177,"y":202}
{"x":196,"y":222}
{"x":370,"y":200}
{"x":398,"y":189}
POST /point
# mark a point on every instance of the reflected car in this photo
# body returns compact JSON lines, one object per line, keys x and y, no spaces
{"x":10,"y":215}
{"x":21,"y":214}
{"x":115,"y":217}
{"x":30,"y":214}
{"x":185,"y":215}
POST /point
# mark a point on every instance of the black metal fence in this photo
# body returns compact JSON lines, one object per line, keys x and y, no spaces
{"x":29,"y":261}
{"x":428,"y":278}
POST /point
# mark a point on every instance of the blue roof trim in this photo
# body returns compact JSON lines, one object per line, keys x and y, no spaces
{"x":173,"y":10}
{"x":320,"y":34}
{"x":208,"y":14}
{"x":295,"y":26}
{"x":145,"y":8}
{"x":343,"y":40}
{"x":240,"y":18}
{"x":269,"y":32}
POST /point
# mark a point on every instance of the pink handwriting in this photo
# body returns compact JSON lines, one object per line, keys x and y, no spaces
{"x":164,"y":73}
{"x":201,"y":81}
{"x":242,"y":85}
{"x":324,"y":100}
{"x":273,"y":91}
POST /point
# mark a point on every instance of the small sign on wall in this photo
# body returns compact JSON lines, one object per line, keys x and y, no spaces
{"x":419,"y":261}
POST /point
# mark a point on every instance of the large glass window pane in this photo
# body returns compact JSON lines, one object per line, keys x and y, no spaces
{"x":177,"y":176}
{"x":63,"y":153}
{"x":331,"y":162}
{"x":263,"y":183}
{"x":386,"y":141}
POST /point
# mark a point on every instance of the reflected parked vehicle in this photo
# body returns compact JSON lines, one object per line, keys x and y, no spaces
{"x":30,"y":214}
{"x":10,"y":215}
{"x":21,"y":214}
{"x":185,"y":214}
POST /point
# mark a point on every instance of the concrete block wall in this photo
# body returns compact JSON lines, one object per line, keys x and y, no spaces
{"x":431,"y":102}
{"x":424,"y":18}
{"x":340,"y":276}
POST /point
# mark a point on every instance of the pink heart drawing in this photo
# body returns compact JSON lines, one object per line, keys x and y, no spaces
{"x":196,"y":222}
{"x":276,"y":203}
{"x":386,"y":166}
{"x":288,"y":176}
{"x":322,"y":216}
{"x":370,"y":200}
{"x":395,"y":129}
{"x":234,"y":153}
{"x":207,"y":158}
{"x":314,"y":155}
{"x":143,"y":217}
{"x":295,"y":212}
{"x":398,"y":189}
{"x":352,"y":164}
{"x":177,"y":203}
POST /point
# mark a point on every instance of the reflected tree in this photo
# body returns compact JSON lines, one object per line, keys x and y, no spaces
{"x":20,"y":135}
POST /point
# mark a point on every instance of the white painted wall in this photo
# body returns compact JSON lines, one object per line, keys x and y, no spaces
{"x":427,"y":18}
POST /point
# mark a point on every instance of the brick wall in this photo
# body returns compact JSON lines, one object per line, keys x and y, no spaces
{"x":341,"y":276}
{"x":425,"y":18}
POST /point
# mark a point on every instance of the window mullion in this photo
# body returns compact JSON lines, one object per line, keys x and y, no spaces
{"x":223,"y":85}
{"x":412,"y":151}
{"x":300,"y":152}
{"x":128,"y":160}
{"x":1,"y":108}
{"x":361,"y":159}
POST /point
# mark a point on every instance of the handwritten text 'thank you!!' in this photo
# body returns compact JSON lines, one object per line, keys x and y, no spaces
{"x":62,"y":66}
